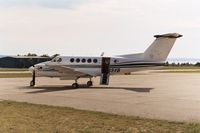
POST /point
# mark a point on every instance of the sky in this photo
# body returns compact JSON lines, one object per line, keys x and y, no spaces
{"x":90,"y":27}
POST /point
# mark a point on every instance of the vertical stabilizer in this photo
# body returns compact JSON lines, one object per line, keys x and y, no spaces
{"x":161,"y":47}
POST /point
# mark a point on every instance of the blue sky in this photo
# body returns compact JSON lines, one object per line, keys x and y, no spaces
{"x":89,"y":27}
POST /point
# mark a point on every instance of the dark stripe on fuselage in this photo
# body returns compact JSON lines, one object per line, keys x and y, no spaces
{"x":89,"y":67}
{"x":113,"y":66}
{"x":117,"y":65}
{"x":140,"y":64}
{"x":130,"y":62}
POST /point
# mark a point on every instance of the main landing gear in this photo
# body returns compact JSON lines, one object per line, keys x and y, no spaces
{"x":89,"y":83}
{"x":76,"y":85}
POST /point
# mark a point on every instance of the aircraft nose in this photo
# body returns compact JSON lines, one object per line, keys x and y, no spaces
{"x":32,"y":68}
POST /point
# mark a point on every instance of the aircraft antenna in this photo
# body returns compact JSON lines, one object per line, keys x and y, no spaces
{"x":102,"y":54}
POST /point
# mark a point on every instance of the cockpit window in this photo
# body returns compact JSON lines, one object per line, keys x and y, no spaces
{"x":54,"y":60}
{"x":59,"y":60}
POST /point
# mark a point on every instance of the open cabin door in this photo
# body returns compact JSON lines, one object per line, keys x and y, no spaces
{"x":105,"y":71}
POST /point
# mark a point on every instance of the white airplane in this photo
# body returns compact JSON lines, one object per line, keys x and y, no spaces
{"x":75,"y":67}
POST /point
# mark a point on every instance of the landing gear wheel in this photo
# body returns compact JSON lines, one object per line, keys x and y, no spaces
{"x":74,"y":85}
{"x":89,"y":83}
{"x":32,"y":83}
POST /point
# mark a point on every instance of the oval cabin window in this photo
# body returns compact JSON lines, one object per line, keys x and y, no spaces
{"x":72,"y":60}
{"x":89,"y":60}
{"x":77,"y":60}
{"x":115,"y":61}
{"x":95,"y":60}
{"x":83,"y":60}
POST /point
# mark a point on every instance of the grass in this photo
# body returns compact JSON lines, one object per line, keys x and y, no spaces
{"x":29,"y":118}
{"x":15,"y":75}
{"x":13,"y":69}
{"x":180,"y":67}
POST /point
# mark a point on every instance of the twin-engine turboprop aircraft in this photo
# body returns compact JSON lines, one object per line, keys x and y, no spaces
{"x":75,"y":67}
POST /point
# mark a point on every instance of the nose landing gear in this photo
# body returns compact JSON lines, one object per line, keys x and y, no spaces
{"x":32,"y":83}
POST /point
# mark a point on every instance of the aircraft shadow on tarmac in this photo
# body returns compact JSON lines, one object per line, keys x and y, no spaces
{"x":43,"y":89}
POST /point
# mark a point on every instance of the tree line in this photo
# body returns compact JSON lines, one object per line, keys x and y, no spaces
{"x":44,"y":55}
{"x":182,"y":64}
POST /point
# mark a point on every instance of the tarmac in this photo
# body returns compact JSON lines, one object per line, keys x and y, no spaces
{"x":166,"y":96}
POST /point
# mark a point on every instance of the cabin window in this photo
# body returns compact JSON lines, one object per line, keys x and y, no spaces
{"x":89,"y":60}
{"x":72,"y":60}
{"x":115,"y":61}
{"x":77,"y":60}
{"x":95,"y":60}
{"x":83,"y":60}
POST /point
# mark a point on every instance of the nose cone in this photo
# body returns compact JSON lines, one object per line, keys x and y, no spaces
{"x":38,"y":67}
{"x":32,"y":68}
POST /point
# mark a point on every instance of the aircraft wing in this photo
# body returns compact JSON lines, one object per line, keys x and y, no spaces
{"x":67,"y":70}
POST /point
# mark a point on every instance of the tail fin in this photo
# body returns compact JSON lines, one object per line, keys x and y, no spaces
{"x":160,"y":48}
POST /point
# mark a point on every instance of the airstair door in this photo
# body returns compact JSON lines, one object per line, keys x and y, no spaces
{"x":105,"y":71}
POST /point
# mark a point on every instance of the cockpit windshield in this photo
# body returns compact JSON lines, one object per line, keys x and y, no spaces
{"x":54,"y":59}
{"x":57,"y":59}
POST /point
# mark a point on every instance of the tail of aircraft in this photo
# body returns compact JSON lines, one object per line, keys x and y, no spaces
{"x":158,"y":51}
{"x":161,"y":47}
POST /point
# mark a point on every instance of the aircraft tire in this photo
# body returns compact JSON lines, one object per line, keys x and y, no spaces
{"x":32,"y":84}
{"x":75,"y":86}
{"x":89,"y":83}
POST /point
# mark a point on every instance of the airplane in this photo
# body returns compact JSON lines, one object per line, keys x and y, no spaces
{"x":76,"y":67}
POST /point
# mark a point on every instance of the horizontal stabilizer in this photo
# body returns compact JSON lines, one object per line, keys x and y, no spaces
{"x":169,"y":35}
